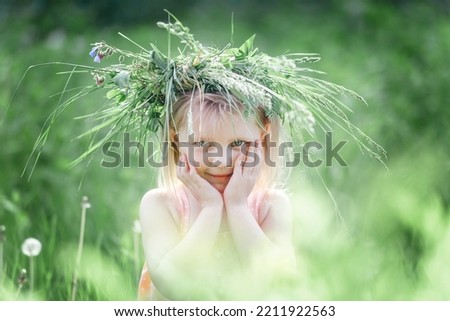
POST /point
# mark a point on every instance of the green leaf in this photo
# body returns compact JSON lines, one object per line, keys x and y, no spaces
{"x":121,"y":97}
{"x":247,"y":47}
{"x":159,"y":59}
{"x":118,"y":94}
{"x":113,"y":93}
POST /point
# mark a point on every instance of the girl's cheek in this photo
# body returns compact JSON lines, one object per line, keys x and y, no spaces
{"x":183,"y":151}
{"x":234,"y":155}
{"x":191,"y":154}
{"x":197,"y":156}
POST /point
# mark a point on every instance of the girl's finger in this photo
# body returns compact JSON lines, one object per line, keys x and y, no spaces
{"x":189,"y":167}
{"x":258,"y":161}
{"x":192,"y":170}
{"x":254,"y":161}
{"x":186,"y":164}
{"x":250,"y":157}
{"x":183,"y":161}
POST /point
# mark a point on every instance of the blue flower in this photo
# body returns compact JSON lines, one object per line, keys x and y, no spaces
{"x":93,"y":52}
{"x":97,"y":55}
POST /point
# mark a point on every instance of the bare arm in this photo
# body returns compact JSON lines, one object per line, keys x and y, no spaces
{"x":272,"y":238}
{"x":266,"y":251}
{"x":172,"y":259}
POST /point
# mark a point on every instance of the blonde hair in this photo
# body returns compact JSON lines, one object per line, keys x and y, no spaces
{"x":215,"y":107}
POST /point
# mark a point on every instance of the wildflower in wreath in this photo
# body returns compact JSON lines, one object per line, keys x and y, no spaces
{"x":94,"y":54}
{"x":97,"y":53}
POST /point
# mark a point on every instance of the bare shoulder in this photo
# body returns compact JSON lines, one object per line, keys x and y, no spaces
{"x":275,"y":205}
{"x":278,"y":221}
{"x":153,"y":197}
{"x":278,"y":197}
{"x":155,"y":202}
{"x":280,"y":205}
{"x":276,"y":200}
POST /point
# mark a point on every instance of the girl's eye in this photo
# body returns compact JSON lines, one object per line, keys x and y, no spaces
{"x":238,"y":143}
{"x":201,"y":143}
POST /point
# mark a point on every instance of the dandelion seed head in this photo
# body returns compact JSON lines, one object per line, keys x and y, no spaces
{"x":85,"y":202}
{"x":2,"y":233}
{"x":31,"y":247}
{"x":22,"y":277}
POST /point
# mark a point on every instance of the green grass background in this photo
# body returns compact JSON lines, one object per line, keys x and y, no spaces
{"x":362,"y":232}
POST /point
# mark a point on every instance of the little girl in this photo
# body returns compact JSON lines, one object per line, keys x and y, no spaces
{"x":218,"y":226}
{"x":217,"y":223}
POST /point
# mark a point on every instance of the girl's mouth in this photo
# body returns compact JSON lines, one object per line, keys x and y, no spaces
{"x":220,"y":175}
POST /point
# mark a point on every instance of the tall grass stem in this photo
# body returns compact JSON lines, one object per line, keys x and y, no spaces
{"x":2,"y":240}
{"x":84,"y":205}
{"x":31,"y":274}
{"x":21,"y":281}
{"x":1,"y":262}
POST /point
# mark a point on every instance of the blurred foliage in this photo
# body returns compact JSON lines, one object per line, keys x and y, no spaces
{"x":363,"y":232}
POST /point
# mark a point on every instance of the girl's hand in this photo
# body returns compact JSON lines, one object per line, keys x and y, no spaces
{"x":245,"y":173}
{"x":204,"y":193}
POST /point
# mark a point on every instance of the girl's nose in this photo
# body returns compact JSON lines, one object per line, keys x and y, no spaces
{"x":219,"y":157}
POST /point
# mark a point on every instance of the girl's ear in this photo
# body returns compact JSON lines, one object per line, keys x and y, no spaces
{"x":266,"y":130}
{"x":173,"y":141}
{"x":173,"y":136}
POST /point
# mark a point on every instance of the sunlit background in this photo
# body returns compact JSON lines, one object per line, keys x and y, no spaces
{"x":367,"y":231}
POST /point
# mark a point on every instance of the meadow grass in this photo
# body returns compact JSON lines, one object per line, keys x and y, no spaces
{"x":390,"y":240}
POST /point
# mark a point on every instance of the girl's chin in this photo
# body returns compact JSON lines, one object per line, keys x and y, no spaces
{"x":219,"y":187}
{"x":221,"y":190}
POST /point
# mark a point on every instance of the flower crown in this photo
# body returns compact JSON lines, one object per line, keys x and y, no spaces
{"x":143,"y":85}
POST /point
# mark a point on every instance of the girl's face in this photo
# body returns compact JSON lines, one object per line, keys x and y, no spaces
{"x":212,"y":147}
